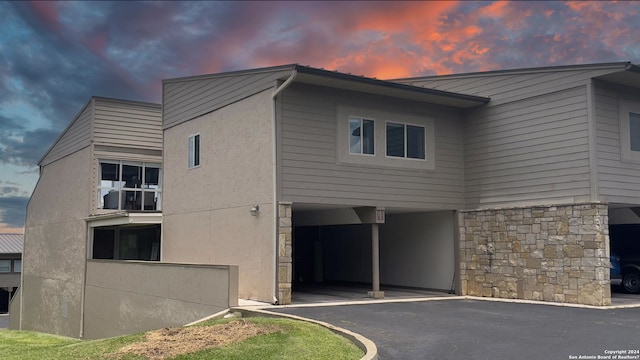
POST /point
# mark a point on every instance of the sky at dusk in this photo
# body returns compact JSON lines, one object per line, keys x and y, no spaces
{"x":55,"y":55}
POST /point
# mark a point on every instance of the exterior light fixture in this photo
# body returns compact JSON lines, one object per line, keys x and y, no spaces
{"x":254,"y":210}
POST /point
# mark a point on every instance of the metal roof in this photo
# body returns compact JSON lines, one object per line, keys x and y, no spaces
{"x":11,"y":243}
{"x":335,"y":79}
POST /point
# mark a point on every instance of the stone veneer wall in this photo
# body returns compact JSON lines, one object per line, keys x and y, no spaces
{"x":547,"y":253}
{"x":285,"y":265}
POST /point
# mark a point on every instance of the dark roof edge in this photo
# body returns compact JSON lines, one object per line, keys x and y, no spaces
{"x":621,"y":64}
{"x":136,"y":102}
{"x":391,"y":84}
{"x":232,"y":73}
{"x":633,"y":68}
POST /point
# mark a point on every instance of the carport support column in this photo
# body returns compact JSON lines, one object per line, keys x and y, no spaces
{"x":375,"y":263}
{"x":284,"y":256}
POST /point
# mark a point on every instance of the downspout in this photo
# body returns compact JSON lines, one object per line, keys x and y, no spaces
{"x":274,"y":155}
{"x":591,"y":126}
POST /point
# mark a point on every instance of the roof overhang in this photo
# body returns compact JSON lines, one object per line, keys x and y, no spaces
{"x":628,"y":76}
{"x":334,"y":79}
{"x":123,"y":218}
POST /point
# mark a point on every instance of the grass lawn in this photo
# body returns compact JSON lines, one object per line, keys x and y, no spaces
{"x":276,"y":339}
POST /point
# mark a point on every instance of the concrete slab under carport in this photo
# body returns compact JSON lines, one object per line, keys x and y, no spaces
{"x":346,"y":293}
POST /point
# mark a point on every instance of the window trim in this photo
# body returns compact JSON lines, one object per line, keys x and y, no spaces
{"x":625,"y":108}
{"x":361,"y":119}
{"x":343,"y":155}
{"x":194,"y":143}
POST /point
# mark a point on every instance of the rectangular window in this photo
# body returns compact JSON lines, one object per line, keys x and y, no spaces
{"x":5,"y":266}
{"x":395,"y":140}
{"x":194,"y":151}
{"x":129,"y":186}
{"x":634,"y":131}
{"x":17,"y":266}
{"x":415,"y":142}
{"x":406,"y":141}
{"x":361,"y":136}
{"x":127,"y":243}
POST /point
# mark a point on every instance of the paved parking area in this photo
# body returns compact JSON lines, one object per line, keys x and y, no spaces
{"x":478,"y":329}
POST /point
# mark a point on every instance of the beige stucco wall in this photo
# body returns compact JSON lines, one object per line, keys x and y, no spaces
{"x":14,"y":310}
{"x":206,"y":216}
{"x":55,"y":246}
{"x":124,"y":297}
{"x":417,"y":250}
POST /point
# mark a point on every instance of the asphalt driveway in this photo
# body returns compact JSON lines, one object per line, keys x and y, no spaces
{"x":475,"y":329}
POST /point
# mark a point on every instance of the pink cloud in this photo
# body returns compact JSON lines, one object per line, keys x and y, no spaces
{"x":47,"y":11}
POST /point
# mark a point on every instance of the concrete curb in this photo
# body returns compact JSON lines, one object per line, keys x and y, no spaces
{"x":369,"y":347}
{"x":550,"y":303}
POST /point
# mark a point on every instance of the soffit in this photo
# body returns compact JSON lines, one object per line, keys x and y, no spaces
{"x":624,"y":77}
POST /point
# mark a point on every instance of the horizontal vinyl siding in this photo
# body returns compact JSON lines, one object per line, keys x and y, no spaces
{"x":508,"y":87}
{"x":618,"y":180}
{"x":310,"y":172}
{"x":534,"y":150}
{"x":76,"y":137}
{"x":129,"y":125}
{"x":189,"y":98}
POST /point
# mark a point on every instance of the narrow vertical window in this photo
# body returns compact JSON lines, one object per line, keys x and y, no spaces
{"x":415,"y":142}
{"x":634,"y":131}
{"x":395,"y":140}
{"x":361,"y":136}
{"x":194,"y":151}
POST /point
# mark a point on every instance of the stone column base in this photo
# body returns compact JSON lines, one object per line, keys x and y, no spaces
{"x":375,"y":294}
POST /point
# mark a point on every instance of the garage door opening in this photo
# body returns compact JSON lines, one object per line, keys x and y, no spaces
{"x":334,"y":262}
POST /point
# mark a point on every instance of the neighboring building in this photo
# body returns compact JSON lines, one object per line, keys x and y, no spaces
{"x":98,"y":203}
{"x":10,"y":268}
{"x":88,"y":180}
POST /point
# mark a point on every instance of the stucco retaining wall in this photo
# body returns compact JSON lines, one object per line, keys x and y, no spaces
{"x":124,"y":297}
{"x":546,"y":253}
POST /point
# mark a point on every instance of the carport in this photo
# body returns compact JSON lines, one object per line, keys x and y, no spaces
{"x":624,"y":241}
{"x":355,"y":252}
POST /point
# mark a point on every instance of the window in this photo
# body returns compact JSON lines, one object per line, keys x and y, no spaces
{"x":629,"y":114}
{"x":130,"y":186}
{"x":406,"y":141}
{"x":368,"y":136}
{"x":194,"y":151}
{"x":17,"y":266}
{"x":361,"y":136}
{"x":127,"y":243}
{"x":5,"y":266}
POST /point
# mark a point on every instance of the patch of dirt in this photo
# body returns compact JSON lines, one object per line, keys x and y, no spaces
{"x":170,"y":342}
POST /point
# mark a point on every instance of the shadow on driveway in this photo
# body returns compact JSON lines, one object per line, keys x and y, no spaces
{"x":475,"y":329}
